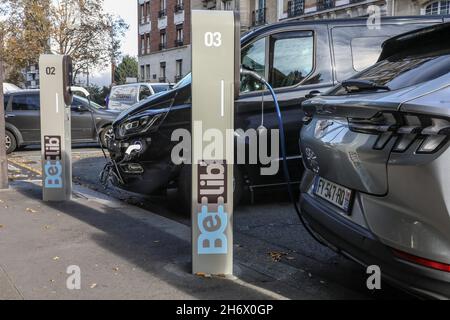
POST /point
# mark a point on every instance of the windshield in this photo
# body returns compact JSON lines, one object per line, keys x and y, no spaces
{"x":86,"y":101}
{"x":402,"y":72}
{"x":124,"y":94}
{"x":183,"y":82}
{"x":160,"y":88}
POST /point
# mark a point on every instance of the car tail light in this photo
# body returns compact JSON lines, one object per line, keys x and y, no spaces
{"x":422,"y":261}
{"x":406,"y":129}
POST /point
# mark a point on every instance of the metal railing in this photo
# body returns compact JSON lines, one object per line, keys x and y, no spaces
{"x":296,"y":8}
{"x":179,"y":42}
{"x":162,"y":13}
{"x":259,"y":16}
{"x":325,"y":4}
{"x":178,"y":7}
{"x":178,"y":78}
{"x":162,"y":46}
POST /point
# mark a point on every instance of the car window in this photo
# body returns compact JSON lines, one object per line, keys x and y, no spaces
{"x":254,"y":58}
{"x":292,"y":58}
{"x":366,"y":51}
{"x":77,"y":101}
{"x":125,"y":94}
{"x":355,"y":47}
{"x":144,"y":93}
{"x":26,"y":102}
{"x":5,"y":101}
{"x":160,"y":88}
{"x":404,"y":71}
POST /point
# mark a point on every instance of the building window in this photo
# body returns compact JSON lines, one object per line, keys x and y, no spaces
{"x":142,"y":10}
{"x":179,"y":70}
{"x":179,"y":6}
{"x":179,"y":40}
{"x":142,"y":44}
{"x":148,"y":43}
{"x":438,"y":7}
{"x":142,"y":72}
{"x":162,"y":72}
{"x":147,"y":72}
{"x":162,"y":40}
{"x":147,"y":9}
{"x":162,"y":9}
{"x":226,"y":5}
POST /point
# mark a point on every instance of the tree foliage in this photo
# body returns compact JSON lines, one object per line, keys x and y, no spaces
{"x":79,"y":28}
{"x":128,"y":68}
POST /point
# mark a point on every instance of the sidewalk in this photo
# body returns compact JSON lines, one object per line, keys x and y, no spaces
{"x":123,"y":252}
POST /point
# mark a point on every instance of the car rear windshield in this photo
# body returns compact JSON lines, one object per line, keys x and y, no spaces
{"x":124,"y":94}
{"x":400,"y":72}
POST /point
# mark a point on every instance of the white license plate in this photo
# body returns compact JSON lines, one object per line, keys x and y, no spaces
{"x":333,"y":193}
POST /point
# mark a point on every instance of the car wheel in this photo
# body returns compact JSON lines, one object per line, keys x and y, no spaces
{"x":185,"y":188}
{"x":106,"y":135}
{"x":11,"y":142}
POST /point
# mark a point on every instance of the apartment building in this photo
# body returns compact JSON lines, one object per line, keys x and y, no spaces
{"x":164,"y":25}
{"x":164,"y":39}
{"x":330,"y":9}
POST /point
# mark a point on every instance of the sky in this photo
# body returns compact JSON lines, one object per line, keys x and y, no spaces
{"x":127,"y":10}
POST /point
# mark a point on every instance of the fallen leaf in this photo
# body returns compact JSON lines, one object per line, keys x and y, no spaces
{"x":1,"y":201}
{"x":203,"y":275}
{"x":47,"y":227}
{"x":93,"y":286}
{"x":277,"y":256}
{"x":31,"y":210}
{"x":116,"y":269}
{"x":55,"y":258}
{"x":1,"y":226}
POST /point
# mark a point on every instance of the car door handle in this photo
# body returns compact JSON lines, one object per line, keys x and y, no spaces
{"x":10,"y":116}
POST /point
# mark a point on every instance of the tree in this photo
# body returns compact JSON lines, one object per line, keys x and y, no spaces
{"x":98,"y":94}
{"x":79,"y":28}
{"x":128,"y":68}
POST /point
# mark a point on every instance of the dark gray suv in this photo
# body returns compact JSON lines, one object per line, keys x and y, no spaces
{"x":22,"y":112}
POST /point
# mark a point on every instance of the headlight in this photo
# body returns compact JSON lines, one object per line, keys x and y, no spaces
{"x":140,"y":124}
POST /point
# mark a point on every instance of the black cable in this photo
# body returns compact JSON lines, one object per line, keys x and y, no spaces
{"x":95,"y":126}
{"x":287,"y":176}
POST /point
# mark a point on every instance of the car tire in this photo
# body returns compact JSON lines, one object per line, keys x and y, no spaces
{"x":11,"y":142}
{"x":185,"y":188}
{"x":106,"y":135}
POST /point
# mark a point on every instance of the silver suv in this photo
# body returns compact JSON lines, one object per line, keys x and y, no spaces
{"x":376,"y":149}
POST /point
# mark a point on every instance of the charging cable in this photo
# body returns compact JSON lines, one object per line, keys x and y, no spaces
{"x":287,"y":176}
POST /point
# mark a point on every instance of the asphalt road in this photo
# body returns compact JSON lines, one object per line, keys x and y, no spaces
{"x":268,"y":235}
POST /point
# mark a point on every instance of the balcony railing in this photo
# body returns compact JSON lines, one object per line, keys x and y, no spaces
{"x":259,"y":16}
{"x":325,"y":4}
{"x":162,"y":79}
{"x":178,"y":78}
{"x":179,"y":7}
{"x":179,"y":42}
{"x":162,"y":46}
{"x":162,"y":13}
{"x":296,"y":8}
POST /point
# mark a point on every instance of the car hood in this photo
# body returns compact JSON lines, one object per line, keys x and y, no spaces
{"x":152,"y":103}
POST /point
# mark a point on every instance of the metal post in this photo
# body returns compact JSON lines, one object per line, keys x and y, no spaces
{"x":3,"y":159}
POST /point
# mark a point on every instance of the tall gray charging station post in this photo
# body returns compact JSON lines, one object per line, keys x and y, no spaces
{"x":56,"y":99}
{"x":215,"y":84}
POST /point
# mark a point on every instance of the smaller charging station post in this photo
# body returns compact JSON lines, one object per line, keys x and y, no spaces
{"x":215,"y":83}
{"x":56,"y":100}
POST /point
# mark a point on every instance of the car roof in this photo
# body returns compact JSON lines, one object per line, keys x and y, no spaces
{"x":299,"y":21}
{"x":436,"y":34}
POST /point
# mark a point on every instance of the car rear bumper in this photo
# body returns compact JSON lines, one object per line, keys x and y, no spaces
{"x":359,"y":244}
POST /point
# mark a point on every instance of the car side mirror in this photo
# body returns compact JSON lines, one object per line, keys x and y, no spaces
{"x":313,"y":94}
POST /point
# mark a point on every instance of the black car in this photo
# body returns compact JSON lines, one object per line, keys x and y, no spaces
{"x":299,"y":58}
{"x":22,"y":113}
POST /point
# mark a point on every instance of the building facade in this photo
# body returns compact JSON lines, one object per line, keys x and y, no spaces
{"x":164,"y":25}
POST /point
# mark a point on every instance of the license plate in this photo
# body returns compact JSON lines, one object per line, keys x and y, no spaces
{"x":333,"y":193}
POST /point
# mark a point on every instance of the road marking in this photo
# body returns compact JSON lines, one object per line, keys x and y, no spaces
{"x":26,"y":167}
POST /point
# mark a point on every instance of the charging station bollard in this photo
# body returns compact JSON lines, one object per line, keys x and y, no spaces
{"x":215,"y":83}
{"x":56,"y":100}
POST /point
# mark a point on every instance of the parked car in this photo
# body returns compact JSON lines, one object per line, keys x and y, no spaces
{"x":22,"y":112}
{"x":304,"y":57}
{"x":124,"y":96}
{"x":377,"y":157}
{"x":9,"y":87}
